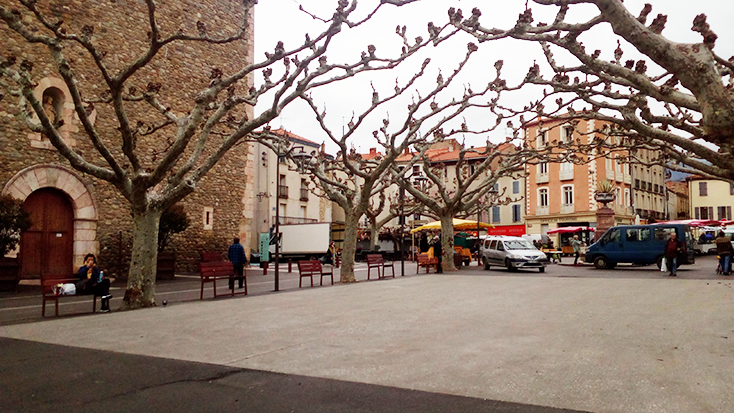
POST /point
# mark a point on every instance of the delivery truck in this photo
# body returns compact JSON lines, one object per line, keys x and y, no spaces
{"x":302,"y":241}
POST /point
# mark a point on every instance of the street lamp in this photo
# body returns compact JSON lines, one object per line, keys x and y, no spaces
{"x":301,"y":157}
{"x":420,"y":180}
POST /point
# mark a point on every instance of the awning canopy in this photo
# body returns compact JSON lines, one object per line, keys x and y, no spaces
{"x":460,"y":224}
{"x":694,"y":222}
{"x":566,"y":230}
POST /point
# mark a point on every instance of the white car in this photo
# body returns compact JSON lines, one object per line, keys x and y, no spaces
{"x":511,"y":253}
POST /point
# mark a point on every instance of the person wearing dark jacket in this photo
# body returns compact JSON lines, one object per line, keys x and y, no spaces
{"x":423,"y":243}
{"x":90,"y":282}
{"x":438,"y":253}
{"x":725,"y":250}
{"x":673,"y":249}
{"x":236,"y":255}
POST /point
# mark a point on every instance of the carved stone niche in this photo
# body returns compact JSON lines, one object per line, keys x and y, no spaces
{"x":58,"y":105}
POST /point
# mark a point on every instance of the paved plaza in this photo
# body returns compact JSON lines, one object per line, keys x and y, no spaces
{"x":627,"y":340}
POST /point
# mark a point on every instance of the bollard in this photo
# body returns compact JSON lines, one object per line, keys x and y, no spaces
{"x":290,"y":265}
{"x":265,"y":268}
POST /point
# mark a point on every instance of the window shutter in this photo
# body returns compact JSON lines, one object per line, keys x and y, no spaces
{"x":711,"y":212}
{"x":698,"y":214}
{"x":728,"y":212}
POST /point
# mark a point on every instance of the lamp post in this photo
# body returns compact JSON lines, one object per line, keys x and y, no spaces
{"x":301,"y":156}
{"x":420,"y":180}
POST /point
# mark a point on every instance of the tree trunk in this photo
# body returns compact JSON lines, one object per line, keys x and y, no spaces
{"x":374,"y":235}
{"x":350,"y":249}
{"x":447,"y":242}
{"x":141,"y":278}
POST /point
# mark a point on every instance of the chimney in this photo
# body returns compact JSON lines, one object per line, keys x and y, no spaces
{"x":406,"y":151}
{"x":373,"y":151}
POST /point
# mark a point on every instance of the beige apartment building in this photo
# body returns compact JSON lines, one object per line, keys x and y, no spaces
{"x":710,"y":198}
{"x":562,"y":194}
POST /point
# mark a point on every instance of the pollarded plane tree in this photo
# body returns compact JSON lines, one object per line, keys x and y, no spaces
{"x":678,"y":98}
{"x":351,"y":181}
{"x":136,"y":109}
{"x":474,"y":171}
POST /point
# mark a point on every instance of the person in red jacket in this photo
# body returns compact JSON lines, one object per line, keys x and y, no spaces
{"x":673,"y":248}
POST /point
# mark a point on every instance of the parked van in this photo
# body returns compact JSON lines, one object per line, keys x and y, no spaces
{"x":638,"y":244}
{"x":512,"y":253}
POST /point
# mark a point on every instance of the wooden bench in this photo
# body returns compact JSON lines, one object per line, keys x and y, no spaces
{"x":377,"y":261}
{"x":213,"y":271}
{"x":47,"y":291}
{"x":424,"y":261}
{"x":309,"y":268}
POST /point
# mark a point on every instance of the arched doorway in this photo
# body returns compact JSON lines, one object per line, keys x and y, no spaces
{"x":48,"y":246}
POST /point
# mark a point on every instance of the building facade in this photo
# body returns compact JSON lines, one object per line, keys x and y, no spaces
{"x":710,"y":198}
{"x":278,"y":183}
{"x":74,"y":214}
{"x":562,"y":194}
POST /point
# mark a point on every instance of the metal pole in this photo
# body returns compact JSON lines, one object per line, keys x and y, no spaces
{"x":277,"y":220}
{"x":402,"y":230}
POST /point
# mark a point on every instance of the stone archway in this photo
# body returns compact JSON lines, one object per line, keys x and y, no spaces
{"x":83,"y":203}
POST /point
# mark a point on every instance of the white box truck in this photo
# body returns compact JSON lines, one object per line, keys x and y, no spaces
{"x":302,"y":241}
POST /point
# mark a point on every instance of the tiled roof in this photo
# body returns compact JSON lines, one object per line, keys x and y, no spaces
{"x":445,"y":155}
{"x":292,"y":136}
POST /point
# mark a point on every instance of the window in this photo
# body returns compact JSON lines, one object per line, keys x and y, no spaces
{"x":496,"y":188}
{"x":493,"y":245}
{"x":472,"y":169}
{"x":703,"y":189}
{"x":663,"y":234}
{"x":515,"y":187}
{"x":567,"y":195}
{"x":641,"y":234}
{"x":704,"y":212}
{"x":626,"y":197}
{"x":416,"y":169}
{"x":567,"y":134}
{"x":567,"y":166}
{"x":543,"y":168}
{"x":543,"y":197}
{"x":303,"y":212}
{"x":612,"y":235}
{"x":516,"y":211}
{"x":637,"y":184}
{"x":495,"y":214}
{"x":731,"y":189}
{"x":208,"y":218}
{"x":724,"y":212}
{"x":542,"y":139}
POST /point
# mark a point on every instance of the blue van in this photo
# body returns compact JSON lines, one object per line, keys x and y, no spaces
{"x":638,"y":244}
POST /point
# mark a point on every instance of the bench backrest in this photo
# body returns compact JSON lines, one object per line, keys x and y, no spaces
{"x":375,"y":259}
{"x":208,"y":269}
{"x":422,"y":258}
{"x":211,"y":257}
{"x":309,"y":266}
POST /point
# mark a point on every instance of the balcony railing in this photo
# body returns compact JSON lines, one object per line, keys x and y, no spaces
{"x":567,"y":209}
{"x":610,"y":174}
{"x":541,"y":178}
{"x":304,"y":194}
{"x":295,"y":220}
{"x":565,"y":174}
{"x":542,"y":210}
{"x":619,"y":176}
{"x":283,"y":191}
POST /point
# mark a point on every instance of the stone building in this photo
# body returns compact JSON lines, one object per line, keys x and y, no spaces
{"x":74,"y":213}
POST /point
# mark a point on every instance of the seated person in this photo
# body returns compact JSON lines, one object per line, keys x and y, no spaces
{"x":90,"y":283}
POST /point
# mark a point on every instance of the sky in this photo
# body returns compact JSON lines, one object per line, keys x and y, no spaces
{"x":281,"y":20}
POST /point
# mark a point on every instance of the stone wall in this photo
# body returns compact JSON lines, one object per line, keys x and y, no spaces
{"x":182,"y":69}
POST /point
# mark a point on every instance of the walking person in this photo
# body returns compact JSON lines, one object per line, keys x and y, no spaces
{"x":725,"y":250}
{"x":236,"y":255}
{"x":673,"y":248}
{"x":91,"y":282}
{"x":576,"y":244}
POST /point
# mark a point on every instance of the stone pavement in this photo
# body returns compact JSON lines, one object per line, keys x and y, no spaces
{"x":569,"y":341}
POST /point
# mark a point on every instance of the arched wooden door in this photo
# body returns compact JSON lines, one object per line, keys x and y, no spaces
{"x":47,"y":247}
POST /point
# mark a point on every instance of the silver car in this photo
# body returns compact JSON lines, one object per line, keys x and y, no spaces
{"x":511,"y":253}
